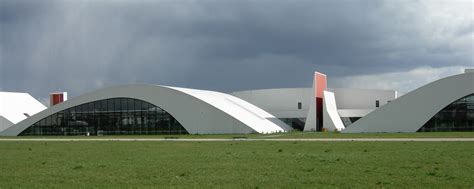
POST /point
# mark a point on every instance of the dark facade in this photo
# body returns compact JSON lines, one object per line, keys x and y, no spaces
{"x":295,"y":123}
{"x":115,"y":116}
{"x":458,"y":116}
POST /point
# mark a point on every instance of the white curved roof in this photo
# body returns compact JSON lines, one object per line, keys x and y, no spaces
{"x":260,"y":120}
{"x":412,"y":110}
{"x":198,"y":111}
{"x":14,"y":106}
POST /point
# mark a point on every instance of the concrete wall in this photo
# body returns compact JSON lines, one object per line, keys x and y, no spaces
{"x":4,"y":123}
{"x":361,"y":98}
{"x":282,"y":103}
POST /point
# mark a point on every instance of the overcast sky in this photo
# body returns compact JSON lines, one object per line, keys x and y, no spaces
{"x":80,"y":46}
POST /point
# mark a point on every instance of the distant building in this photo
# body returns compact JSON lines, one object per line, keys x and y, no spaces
{"x":443,"y":105}
{"x":292,"y":105}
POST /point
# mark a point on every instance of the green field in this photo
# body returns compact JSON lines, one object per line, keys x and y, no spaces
{"x":244,"y":164}
{"x":296,"y":134}
{"x":369,"y":135}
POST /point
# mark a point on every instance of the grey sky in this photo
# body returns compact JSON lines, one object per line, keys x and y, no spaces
{"x":79,"y":46}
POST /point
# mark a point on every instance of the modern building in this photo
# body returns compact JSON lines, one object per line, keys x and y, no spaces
{"x":443,"y":105}
{"x":291,"y":105}
{"x":314,"y":109}
{"x":149,"y":109}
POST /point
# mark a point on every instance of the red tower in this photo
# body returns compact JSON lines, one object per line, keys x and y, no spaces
{"x":320,"y":85}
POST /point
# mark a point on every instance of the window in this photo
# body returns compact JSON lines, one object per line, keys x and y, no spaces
{"x":299,"y":105}
{"x":377,"y":103}
{"x":457,"y":116}
{"x":108,"y":117}
{"x":295,"y":123}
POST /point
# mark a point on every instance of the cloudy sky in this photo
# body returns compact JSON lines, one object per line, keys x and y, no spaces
{"x":229,"y":45}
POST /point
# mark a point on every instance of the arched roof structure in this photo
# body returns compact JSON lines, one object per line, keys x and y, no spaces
{"x":198,"y":111}
{"x":411,"y":111}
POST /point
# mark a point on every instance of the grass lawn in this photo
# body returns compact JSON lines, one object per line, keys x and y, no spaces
{"x":295,"y":134}
{"x":377,"y":135}
{"x":238,"y":164}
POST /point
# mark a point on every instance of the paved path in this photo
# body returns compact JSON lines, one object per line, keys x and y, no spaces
{"x":240,"y":139}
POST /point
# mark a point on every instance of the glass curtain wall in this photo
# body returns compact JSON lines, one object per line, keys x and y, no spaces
{"x":295,"y":123}
{"x":458,"y":116}
{"x":116,"y":116}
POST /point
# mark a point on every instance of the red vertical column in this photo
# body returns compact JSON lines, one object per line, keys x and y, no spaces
{"x":320,"y":85}
{"x":56,"y":98}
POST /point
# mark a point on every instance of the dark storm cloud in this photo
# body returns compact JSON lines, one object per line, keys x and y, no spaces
{"x":78,"y":46}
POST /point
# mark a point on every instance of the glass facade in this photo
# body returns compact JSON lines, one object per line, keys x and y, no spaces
{"x":295,"y":123}
{"x":115,"y":116}
{"x":458,"y":116}
{"x":347,"y":121}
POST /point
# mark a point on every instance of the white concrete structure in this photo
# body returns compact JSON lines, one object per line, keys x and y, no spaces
{"x":360,"y":102}
{"x":349,"y":103}
{"x":15,"y":107}
{"x":357,"y":103}
{"x":331,"y":119}
{"x":379,"y":110}
{"x":411,"y":111}
{"x":282,"y":103}
{"x":311,"y":119}
{"x":255,"y":111}
{"x":198,"y":111}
